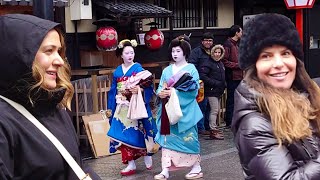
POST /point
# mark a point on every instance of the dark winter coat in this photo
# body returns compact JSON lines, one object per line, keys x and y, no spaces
{"x":212,"y":73}
{"x":231,"y":60}
{"x":261,"y":156}
{"x":25,"y":152}
{"x":197,"y":56}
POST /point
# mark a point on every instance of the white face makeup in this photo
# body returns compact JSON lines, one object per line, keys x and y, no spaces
{"x":49,"y":59}
{"x":276,"y":66}
{"x":177,"y":54}
{"x":128,"y":55}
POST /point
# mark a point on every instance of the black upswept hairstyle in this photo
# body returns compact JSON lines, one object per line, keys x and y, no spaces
{"x":233,"y":30}
{"x":184,"y":42}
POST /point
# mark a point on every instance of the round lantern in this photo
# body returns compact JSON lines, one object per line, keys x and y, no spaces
{"x":154,"y":38}
{"x":106,"y":39}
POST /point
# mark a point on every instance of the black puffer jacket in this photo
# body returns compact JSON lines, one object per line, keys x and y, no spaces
{"x":260,"y":154}
{"x":212,"y":73}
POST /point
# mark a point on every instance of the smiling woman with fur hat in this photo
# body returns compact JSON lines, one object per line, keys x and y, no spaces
{"x":277,"y":106}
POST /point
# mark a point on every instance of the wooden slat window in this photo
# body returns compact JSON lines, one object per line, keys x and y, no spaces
{"x":189,"y":13}
{"x":210,"y":12}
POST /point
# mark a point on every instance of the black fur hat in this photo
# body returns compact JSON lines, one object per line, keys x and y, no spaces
{"x":266,"y":30}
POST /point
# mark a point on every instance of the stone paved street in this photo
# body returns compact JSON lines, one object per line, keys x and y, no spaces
{"x":219,"y":162}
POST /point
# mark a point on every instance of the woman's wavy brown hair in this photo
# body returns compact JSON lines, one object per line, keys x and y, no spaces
{"x":63,"y":76}
{"x":290,"y":110}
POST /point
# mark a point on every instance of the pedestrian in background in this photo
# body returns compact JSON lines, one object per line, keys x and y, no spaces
{"x":277,"y":111}
{"x":212,"y":73}
{"x":181,"y":147}
{"x":130,"y":136}
{"x":232,"y":70}
{"x":197,"y":56}
{"x":35,"y":74}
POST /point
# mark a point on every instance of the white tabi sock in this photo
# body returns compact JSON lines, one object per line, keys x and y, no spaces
{"x":131,"y":166}
{"x":148,"y":161}
{"x":165,"y":172}
{"x":195,"y":169}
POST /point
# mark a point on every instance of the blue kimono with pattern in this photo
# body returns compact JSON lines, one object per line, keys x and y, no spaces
{"x":132,"y":133}
{"x":183,"y":135}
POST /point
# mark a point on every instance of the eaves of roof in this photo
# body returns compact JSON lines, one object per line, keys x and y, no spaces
{"x":131,"y":9}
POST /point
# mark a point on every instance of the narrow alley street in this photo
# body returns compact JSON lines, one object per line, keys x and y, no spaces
{"x":220,"y":161}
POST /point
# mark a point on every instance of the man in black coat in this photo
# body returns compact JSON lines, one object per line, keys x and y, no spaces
{"x":198,"y":55}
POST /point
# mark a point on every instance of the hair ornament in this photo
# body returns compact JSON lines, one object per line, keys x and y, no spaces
{"x":183,"y":37}
{"x":133,"y":43}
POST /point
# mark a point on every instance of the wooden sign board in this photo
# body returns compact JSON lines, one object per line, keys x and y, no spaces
{"x":97,"y":129}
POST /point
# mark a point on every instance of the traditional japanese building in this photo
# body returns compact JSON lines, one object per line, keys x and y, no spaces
{"x":176,"y":17}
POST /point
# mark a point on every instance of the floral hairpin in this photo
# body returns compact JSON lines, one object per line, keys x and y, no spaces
{"x":133,"y":43}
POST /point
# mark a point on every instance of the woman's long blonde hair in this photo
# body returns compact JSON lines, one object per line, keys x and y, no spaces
{"x":63,"y":76}
{"x":290,"y":110}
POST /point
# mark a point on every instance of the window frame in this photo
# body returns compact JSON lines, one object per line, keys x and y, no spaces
{"x":205,"y":16}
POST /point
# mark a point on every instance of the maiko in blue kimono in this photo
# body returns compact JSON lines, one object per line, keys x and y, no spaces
{"x":183,"y":135}
{"x":132,"y":133}
{"x":179,"y":142}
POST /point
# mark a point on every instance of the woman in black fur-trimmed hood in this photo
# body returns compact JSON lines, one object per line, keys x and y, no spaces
{"x":35,"y":74}
{"x":276,"y":119}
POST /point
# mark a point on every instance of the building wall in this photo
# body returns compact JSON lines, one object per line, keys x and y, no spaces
{"x":83,"y":25}
{"x":86,"y":36}
{"x":225,"y":13}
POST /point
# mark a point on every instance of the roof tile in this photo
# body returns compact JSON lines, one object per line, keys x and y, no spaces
{"x":132,"y":8}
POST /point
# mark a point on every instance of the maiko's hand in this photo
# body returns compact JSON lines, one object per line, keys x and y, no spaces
{"x":135,"y":89}
{"x":165,"y":93}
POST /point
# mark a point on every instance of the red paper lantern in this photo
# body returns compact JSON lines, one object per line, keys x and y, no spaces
{"x":154,"y":38}
{"x":299,"y":4}
{"x":107,"y":39}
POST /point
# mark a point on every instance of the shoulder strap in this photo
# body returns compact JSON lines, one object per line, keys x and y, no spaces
{"x":65,"y":154}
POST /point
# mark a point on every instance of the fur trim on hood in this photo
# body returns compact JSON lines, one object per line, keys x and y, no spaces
{"x":218,"y":46}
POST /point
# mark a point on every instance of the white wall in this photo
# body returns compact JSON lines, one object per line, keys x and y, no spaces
{"x":83,"y":25}
{"x":225,"y":13}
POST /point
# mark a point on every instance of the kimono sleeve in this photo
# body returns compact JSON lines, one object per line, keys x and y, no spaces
{"x":112,"y":95}
{"x":189,"y":106}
